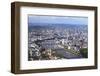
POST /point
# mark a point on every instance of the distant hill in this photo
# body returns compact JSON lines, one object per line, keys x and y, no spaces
{"x":45,"y":24}
{"x":53,"y":26}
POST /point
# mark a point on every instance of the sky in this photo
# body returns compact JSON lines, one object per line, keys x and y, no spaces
{"x":58,"y":19}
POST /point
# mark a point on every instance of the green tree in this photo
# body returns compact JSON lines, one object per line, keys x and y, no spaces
{"x":84,"y":52}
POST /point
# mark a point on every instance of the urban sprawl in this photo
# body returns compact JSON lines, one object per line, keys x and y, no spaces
{"x":56,"y":41}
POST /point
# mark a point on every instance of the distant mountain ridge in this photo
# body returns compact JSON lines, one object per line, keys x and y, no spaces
{"x":45,"y":24}
{"x":39,"y":26}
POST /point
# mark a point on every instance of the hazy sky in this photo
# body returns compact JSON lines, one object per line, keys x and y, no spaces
{"x":58,"y":19}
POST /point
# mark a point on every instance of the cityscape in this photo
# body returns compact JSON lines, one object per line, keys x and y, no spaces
{"x":57,"y":37}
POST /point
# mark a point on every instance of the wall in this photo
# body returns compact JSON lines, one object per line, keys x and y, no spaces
{"x":5,"y":42}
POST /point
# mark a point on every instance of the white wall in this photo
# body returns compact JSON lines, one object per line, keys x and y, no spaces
{"x":5,"y":42}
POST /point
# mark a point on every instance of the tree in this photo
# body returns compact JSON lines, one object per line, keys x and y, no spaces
{"x":84,"y":52}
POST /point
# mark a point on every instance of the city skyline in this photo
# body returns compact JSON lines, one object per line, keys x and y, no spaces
{"x":57,"y":37}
